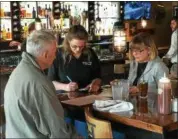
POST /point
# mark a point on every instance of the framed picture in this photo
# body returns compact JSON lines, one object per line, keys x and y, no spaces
{"x":175,"y":11}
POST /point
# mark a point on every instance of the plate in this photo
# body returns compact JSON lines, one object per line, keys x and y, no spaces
{"x":120,"y":106}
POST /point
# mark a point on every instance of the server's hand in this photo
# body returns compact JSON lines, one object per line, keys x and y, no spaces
{"x":72,"y":86}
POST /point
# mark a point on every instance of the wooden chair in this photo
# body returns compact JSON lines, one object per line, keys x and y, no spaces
{"x":97,"y":128}
{"x":2,"y":122}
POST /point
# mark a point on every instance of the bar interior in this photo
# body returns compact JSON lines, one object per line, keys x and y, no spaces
{"x":89,"y":69}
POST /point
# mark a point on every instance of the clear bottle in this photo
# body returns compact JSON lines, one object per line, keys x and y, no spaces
{"x":164,"y":96}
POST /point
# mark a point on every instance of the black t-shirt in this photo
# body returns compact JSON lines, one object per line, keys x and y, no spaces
{"x":82,"y":70}
{"x":140,"y":69}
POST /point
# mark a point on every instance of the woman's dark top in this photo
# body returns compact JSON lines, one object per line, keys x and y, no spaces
{"x":82,"y":70}
{"x":140,"y":69}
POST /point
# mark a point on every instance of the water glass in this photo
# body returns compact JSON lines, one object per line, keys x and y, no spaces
{"x":120,"y":89}
{"x":125,"y":92}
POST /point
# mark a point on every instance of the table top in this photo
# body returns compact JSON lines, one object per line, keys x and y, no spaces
{"x":79,"y":99}
{"x":142,"y":116}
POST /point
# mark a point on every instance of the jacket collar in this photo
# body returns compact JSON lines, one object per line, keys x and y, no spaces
{"x":30,"y":60}
{"x":147,"y":69}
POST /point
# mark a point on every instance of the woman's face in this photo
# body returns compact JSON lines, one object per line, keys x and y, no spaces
{"x":141,"y":55}
{"x":77,"y":46}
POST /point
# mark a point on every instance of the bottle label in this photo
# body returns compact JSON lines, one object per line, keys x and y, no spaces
{"x":160,"y":91}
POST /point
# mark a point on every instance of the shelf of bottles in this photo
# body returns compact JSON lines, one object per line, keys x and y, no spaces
{"x":32,"y":10}
{"x":108,"y":12}
{"x":67,"y":14}
{"x":5,"y":20}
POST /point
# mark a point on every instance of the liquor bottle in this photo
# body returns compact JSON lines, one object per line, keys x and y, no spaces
{"x":39,"y":10}
{"x":8,"y":34}
{"x":62,"y":11}
{"x":84,"y":18}
{"x":61,"y":20}
{"x":29,"y":12}
{"x":25,"y":30}
{"x":46,"y":10}
{"x":43,"y":12}
{"x":4,"y":33}
{"x":69,"y":10}
{"x":33,"y":13}
{"x":2,"y":12}
{"x":66,"y":12}
{"x":49,"y":9}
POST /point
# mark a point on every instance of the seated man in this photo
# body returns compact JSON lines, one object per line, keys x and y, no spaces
{"x":32,"y":109}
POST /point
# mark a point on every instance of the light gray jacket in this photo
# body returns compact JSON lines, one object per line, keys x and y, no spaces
{"x":32,"y":108}
{"x":154,"y":70}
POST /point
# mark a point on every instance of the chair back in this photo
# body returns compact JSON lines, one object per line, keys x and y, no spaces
{"x":97,"y":128}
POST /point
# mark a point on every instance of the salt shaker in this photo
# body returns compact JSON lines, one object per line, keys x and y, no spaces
{"x":164,"y":96}
{"x":175,"y":105}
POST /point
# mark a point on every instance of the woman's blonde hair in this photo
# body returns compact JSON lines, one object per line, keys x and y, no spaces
{"x":140,"y":41}
{"x":75,"y":32}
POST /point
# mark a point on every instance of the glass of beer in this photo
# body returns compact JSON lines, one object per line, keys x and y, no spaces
{"x":143,"y":89}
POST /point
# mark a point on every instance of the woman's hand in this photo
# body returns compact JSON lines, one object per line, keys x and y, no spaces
{"x":134,"y":90}
{"x":72,"y":95}
{"x":72,"y":86}
{"x":95,"y":85}
{"x":14,"y":43}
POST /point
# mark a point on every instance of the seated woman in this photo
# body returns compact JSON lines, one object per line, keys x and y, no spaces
{"x":76,"y":65}
{"x":145,"y":65}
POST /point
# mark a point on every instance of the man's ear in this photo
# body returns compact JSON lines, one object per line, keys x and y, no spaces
{"x":45,"y":54}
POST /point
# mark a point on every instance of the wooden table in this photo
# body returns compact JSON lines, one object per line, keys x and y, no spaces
{"x":78,"y":99}
{"x":141,"y":118}
{"x":144,"y":117}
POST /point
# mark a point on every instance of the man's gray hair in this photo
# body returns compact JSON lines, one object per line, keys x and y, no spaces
{"x":38,"y":41}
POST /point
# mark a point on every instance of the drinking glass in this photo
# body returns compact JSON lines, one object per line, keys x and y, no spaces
{"x":120,"y":89}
